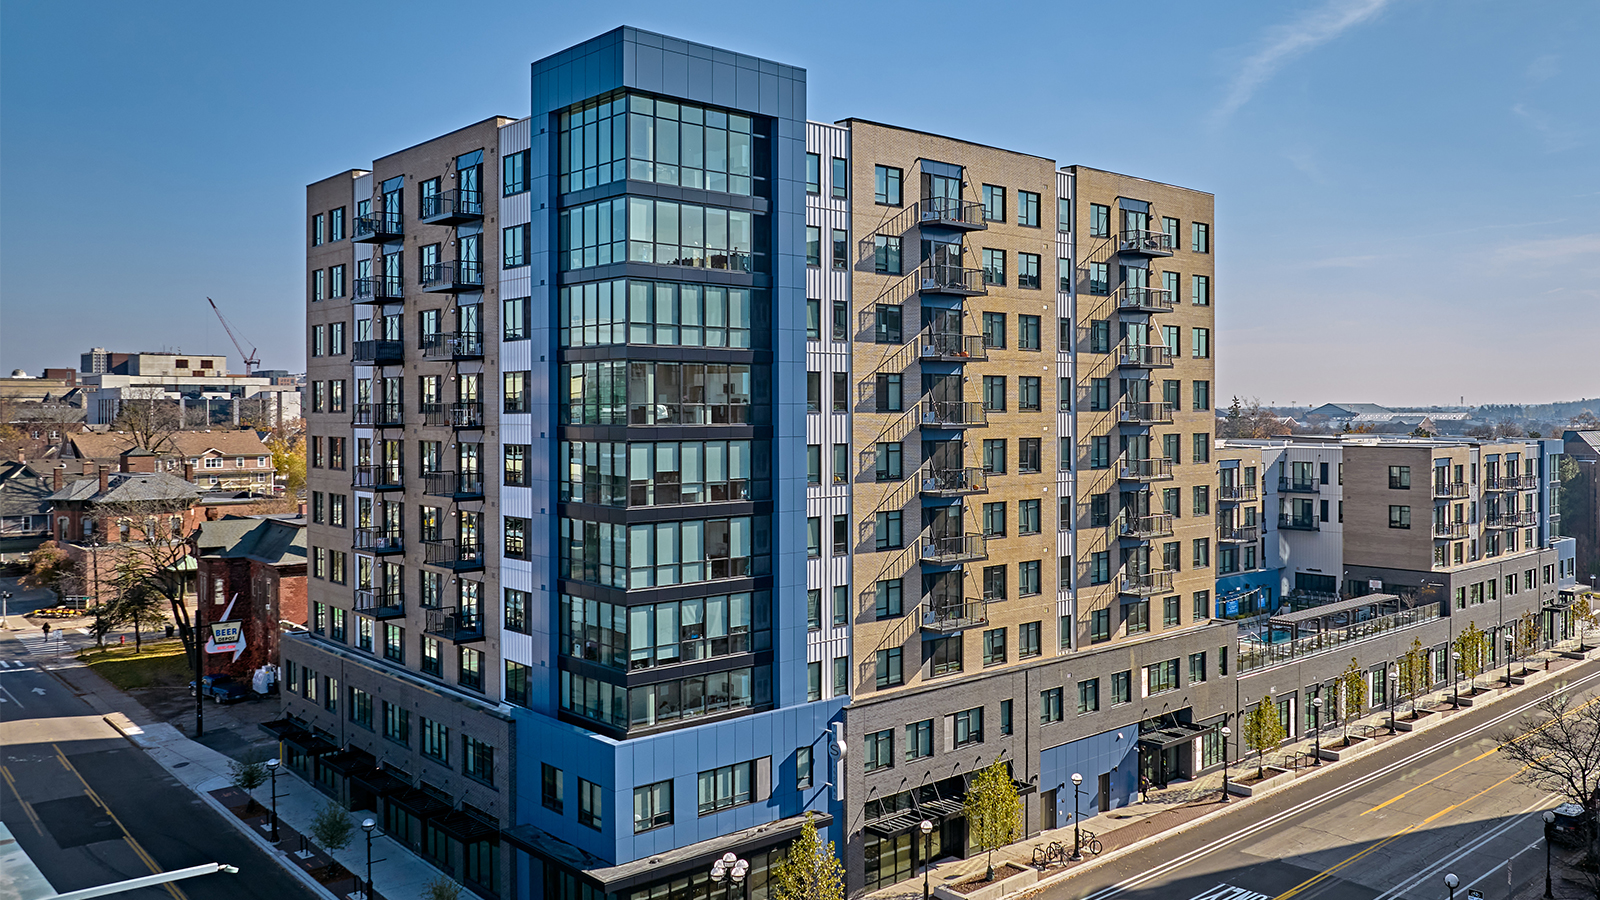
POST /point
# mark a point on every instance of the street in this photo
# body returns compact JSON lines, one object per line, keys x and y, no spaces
{"x":1390,"y":826}
{"x":89,"y":808}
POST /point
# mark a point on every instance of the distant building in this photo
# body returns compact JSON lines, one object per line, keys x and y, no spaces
{"x":94,"y":518}
{"x":252,"y":570}
{"x":1348,"y":410}
{"x":100,"y":361}
{"x":25,"y":489}
{"x":213,"y":460}
{"x":1580,"y":503}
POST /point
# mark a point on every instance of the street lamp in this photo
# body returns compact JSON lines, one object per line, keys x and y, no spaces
{"x":368,"y":826}
{"x":1452,"y":882}
{"x":1549,"y":818}
{"x":1455,"y":683}
{"x":1226,"y":733}
{"x":927,"y":852}
{"x":1394,"y":681}
{"x":272,"y":772}
{"x":1077,"y":825}
{"x":1316,"y":730}
{"x":730,"y":870}
{"x":5,"y":609}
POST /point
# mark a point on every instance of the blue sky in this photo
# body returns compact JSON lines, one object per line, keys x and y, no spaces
{"x":1406,"y":189}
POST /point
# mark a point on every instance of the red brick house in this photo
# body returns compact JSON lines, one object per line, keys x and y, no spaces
{"x":253,"y":571}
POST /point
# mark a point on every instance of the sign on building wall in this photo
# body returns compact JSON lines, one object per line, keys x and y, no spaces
{"x":225,"y":636}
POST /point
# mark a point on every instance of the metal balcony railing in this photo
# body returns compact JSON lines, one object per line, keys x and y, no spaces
{"x":381,"y":602}
{"x":1142,"y":242}
{"x":452,"y":207}
{"x":954,"y":549}
{"x":1133,"y":298}
{"x":384,"y":289}
{"x":378,"y":352}
{"x":950,"y":213}
{"x":456,"y":485}
{"x":450,"y":553}
{"x":1144,"y":584}
{"x":1450,"y":490}
{"x":378,"y":540}
{"x":383,"y":477}
{"x":961,"y":348}
{"x":1236,"y":493}
{"x":462,"y":414}
{"x":1144,"y":356}
{"x":1238,"y":534}
{"x":379,"y":228}
{"x":1144,"y":469}
{"x":1144,"y":412}
{"x":377,"y":415}
{"x":948,"y":618}
{"x":458,"y":626}
{"x":453,"y":345}
{"x":453,"y":277}
{"x":952,"y":414}
{"x":1293,"y":522}
{"x":955,"y":482}
{"x":1144,"y":527}
{"x":934,"y":278}
{"x":1289,"y":484}
{"x":1450,"y":530}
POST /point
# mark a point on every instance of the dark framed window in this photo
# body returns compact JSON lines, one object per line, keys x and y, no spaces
{"x":889,"y":667}
{"x":1029,"y":333}
{"x":919,"y":739}
{"x":994,"y":329}
{"x":813,"y":173}
{"x":969,"y":727}
{"x":886,"y":185}
{"x":1050,"y":706}
{"x":841,"y":178}
{"x":1028,"y":639}
{"x":945,"y":655}
{"x":841,"y":248}
{"x":813,"y":245}
{"x":1028,"y":455}
{"x":552,"y":790}
{"x":514,"y":246}
{"x":886,"y":255}
{"x":1100,"y":626}
{"x":1028,"y":271}
{"x":1030,"y":393}
{"x":1027,"y":209}
{"x":514,"y":173}
{"x":879,"y":751}
{"x":994,"y":203}
{"x":994,"y":393}
{"x":591,"y":804}
{"x":1089,"y":696}
{"x":994,"y":267}
{"x":1121,"y":687}
{"x":1099,"y":220}
{"x":994,"y":646}
{"x":726,"y":787}
{"x":652,"y":806}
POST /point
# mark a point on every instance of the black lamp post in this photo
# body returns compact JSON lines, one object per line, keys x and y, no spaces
{"x":927,"y":853}
{"x":1455,"y":683}
{"x":1077,"y":825}
{"x":1549,"y":817}
{"x":729,"y":870}
{"x":1226,"y":733}
{"x":1394,"y":680}
{"x":1316,"y":730}
{"x":368,"y":826}
{"x":272,"y":774}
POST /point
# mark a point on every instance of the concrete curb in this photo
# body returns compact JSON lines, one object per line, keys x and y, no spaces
{"x":277,"y":855}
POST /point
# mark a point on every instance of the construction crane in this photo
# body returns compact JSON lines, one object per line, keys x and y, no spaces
{"x":250,"y":360}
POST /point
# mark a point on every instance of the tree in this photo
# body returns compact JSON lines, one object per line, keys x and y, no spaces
{"x":1558,"y":750}
{"x":289,"y":459}
{"x":1263,"y":731}
{"x":1585,"y":421}
{"x":248,"y":774}
{"x":993,"y":810}
{"x":148,"y":417}
{"x":811,"y":871}
{"x":156,"y":548}
{"x":48,"y":566}
{"x":332,"y":829}
{"x":1413,"y":667}
{"x":1584,"y":615}
{"x":1527,"y":638}
{"x":441,"y":888}
{"x":1250,"y":420}
{"x":1352,"y":695}
{"x":1473,"y":645}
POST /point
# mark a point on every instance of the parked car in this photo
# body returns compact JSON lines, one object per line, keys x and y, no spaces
{"x":1573,"y":826}
{"x":222,"y":688}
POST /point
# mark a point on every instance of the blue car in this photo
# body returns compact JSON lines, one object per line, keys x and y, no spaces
{"x":221,"y":688}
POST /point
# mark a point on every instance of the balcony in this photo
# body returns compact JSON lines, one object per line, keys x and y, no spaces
{"x":953,"y":348}
{"x":966,"y":215}
{"x":949,"y":618}
{"x":388,"y":289}
{"x":1520,"y":482}
{"x":947,"y":279}
{"x":377,"y":415}
{"x":1144,"y":356}
{"x":1131,"y":298}
{"x":1450,"y":531}
{"x":1143,"y":528}
{"x":1141,"y":242}
{"x":955,"y":482}
{"x":1146,"y":584}
{"x":453,"y":625}
{"x":1142,"y":412}
{"x":463,"y":415}
{"x":452,"y":207}
{"x":378,"y":353}
{"x":381,"y":602}
{"x":1450,"y":490}
{"x":952,"y":414}
{"x":378,"y":478}
{"x":455,"y":485}
{"x":378,"y":229}
{"x":1238,"y":534}
{"x":1291,"y":522}
{"x":454,"y":277}
{"x":453,"y":554}
{"x":379,"y":541}
{"x":1144,"y":469}
{"x":1512,"y":520}
{"x":954,"y":549}
{"x":453,"y":345}
{"x":1237,"y":493}
{"x":1290,"y":485}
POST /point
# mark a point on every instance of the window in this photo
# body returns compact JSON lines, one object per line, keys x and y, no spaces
{"x":994,"y":203}
{"x":1201,"y":338}
{"x":994,"y":519}
{"x":886,"y":255}
{"x":1121,"y":687}
{"x":394,"y":643}
{"x":1030,"y":574}
{"x":813,"y":392}
{"x":841,"y":535}
{"x":969,"y":727}
{"x":1099,"y":336}
{"x":591,"y":803}
{"x":889,"y":668}
{"x":1171,"y":613}
{"x":1169,"y":227}
{"x":336,"y":225}
{"x":1099,"y":394}
{"x":361,"y":708}
{"x":1028,"y":455}
{"x":841,"y":463}
{"x":813,"y":173}
{"x":336,"y":281}
{"x":1161,"y":677}
{"x":516,"y":465}
{"x":336,"y":339}
{"x":1028,"y":640}
{"x":1200,"y":288}
{"x":889,"y":462}
{"x":994,"y":583}
{"x":516,"y":392}
{"x":994,"y":329}
{"x":1197,"y":667}
{"x":803,"y":770}
{"x":889,"y":392}
{"x":1063,"y":214}
{"x":551,"y":789}
{"x":477,"y":759}
{"x":1029,"y":335}
{"x":994,"y":646}
{"x":1029,"y":518}
{"x":813,"y":681}
{"x":1100,"y":625}
{"x":841,"y":248}
{"x":814,"y":609}
{"x":1030,"y":393}
{"x":887,"y":530}
{"x":516,"y":537}
{"x":1100,"y":567}
{"x":435,"y":740}
{"x":516,"y":611}
{"x":813,"y":245}
{"x":1202,"y":442}
{"x":514,"y":173}
{"x":318,"y":345}
{"x":514,"y":246}
{"x":432,"y":656}
{"x":470,"y":669}
{"x":1050,"y":706}
{"x":888,"y":322}
{"x":841,"y":391}
{"x":1099,"y":220}
{"x":1399,"y":517}
{"x":726,"y":787}
{"x":1064,"y":285}
{"x":1100,"y":452}
{"x":1399,"y":478}
{"x":1202,"y":499}
{"x":1028,"y":209}
{"x":887,"y":598}
{"x":814,"y":537}
{"x":994,"y":393}
{"x":841,"y":178}
{"x":945,"y":655}
{"x":813,"y":464}
{"x":1089,"y":696}
{"x":994,"y":266}
{"x":880,"y":751}
{"x":316,"y":231}
{"x":886,"y":185}
{"x":813,"y":319}
{"x":919,"y":739}
{"x":652,"y":806}
{"x":1200,"y":237}
{"x":1028,"y":271}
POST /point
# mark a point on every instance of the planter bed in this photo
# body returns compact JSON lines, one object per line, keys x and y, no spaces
{"x":1275,"y":778}
{"x":1009,"y":879}
{"x":1352,"y":748}
{"x":1422,"y":722}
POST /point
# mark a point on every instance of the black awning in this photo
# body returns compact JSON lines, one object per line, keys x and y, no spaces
{"x":1172,"y":736}
{"x":904,"y":820}
{"x":308,"y":743}
{"x":420,"y":803}
{"x":349,"y":760}
{"x":280,"y":727}
{"x":466,"y":827}
{"x":378,"y":781}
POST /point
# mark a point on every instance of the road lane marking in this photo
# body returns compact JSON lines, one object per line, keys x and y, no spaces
{"x":139,"y":851}
{"x":1344,"y":788}
{"x":1434,"y":868}
{"x":26,"y":806}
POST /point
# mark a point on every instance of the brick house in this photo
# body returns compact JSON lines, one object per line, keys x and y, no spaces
{"x":93,"y":517}
{"x":213,"y":460}
{"x":252,"y":570}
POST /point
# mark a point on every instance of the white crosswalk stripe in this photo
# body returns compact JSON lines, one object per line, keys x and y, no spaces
{"x":36,"y":642}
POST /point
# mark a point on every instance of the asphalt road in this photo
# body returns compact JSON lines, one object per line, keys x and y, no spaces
{"x":1389,"y":826}
{"x":90,"y":808}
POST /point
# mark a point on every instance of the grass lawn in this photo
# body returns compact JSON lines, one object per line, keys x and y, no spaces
{"x":162,"y":664}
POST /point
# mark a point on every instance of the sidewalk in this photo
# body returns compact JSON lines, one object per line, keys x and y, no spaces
{"x":400,"y":875}
{"x":1186,"y":804}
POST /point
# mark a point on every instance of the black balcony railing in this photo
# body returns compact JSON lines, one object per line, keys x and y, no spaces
{"x":943,"y":347}
{"x":952,"y":213}
{"x":1450,"y":530}
{"x":453,"y":277}
{"x":953,"y":414}
{"x":1140,"y":242}
{"x":1134,"y":298}
{"x":385,"y":289}
{"x":1450,"y":490}
{"x":450,"y":553}
{"x":1144,"y":412}
{"x":934,"y":278}
{"x":455,"y":485}
{"x":1235,"y":493}
{"x":1290,"y":484}
{"x":955,"y":482}
{"x":1293,"y":522}
{"x":377,"y":415}
{"x":462,"y":414}
{"x":379,"y":353}
{"x":1142,"y":527}
{"x":452,"y":207}
{"x":385,"y":477}
{"x":381,"y":602}
{"x":458,"y":626}
{"x":1144,"y":469}
{"x":1144,"y":584}
{"x":379,"y":228}
{"x":1144,"y":356}
{"x":954,"y":549}
{"x":948,"y":617}
{"x":379,"y":540}
{"x":1238,"y":534}
{"x":453,"y":345}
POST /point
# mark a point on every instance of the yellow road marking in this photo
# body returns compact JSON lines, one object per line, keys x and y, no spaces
{"x":26,"y":806}
{"x":139,"y":851}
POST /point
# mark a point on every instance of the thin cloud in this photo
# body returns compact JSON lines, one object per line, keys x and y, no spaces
{"x":1568,"y":249}
{"x":1557,"y":137}
{"x":1289,"y":41}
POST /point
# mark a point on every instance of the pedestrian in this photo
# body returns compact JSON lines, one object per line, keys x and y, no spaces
{"x":47,"y":631}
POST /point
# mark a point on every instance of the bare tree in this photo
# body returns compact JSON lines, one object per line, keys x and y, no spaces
{"x":1250,"y":420}
{"x":149,"y":418}
{"x":154,"y":546}
{"x":1558,"y":749}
